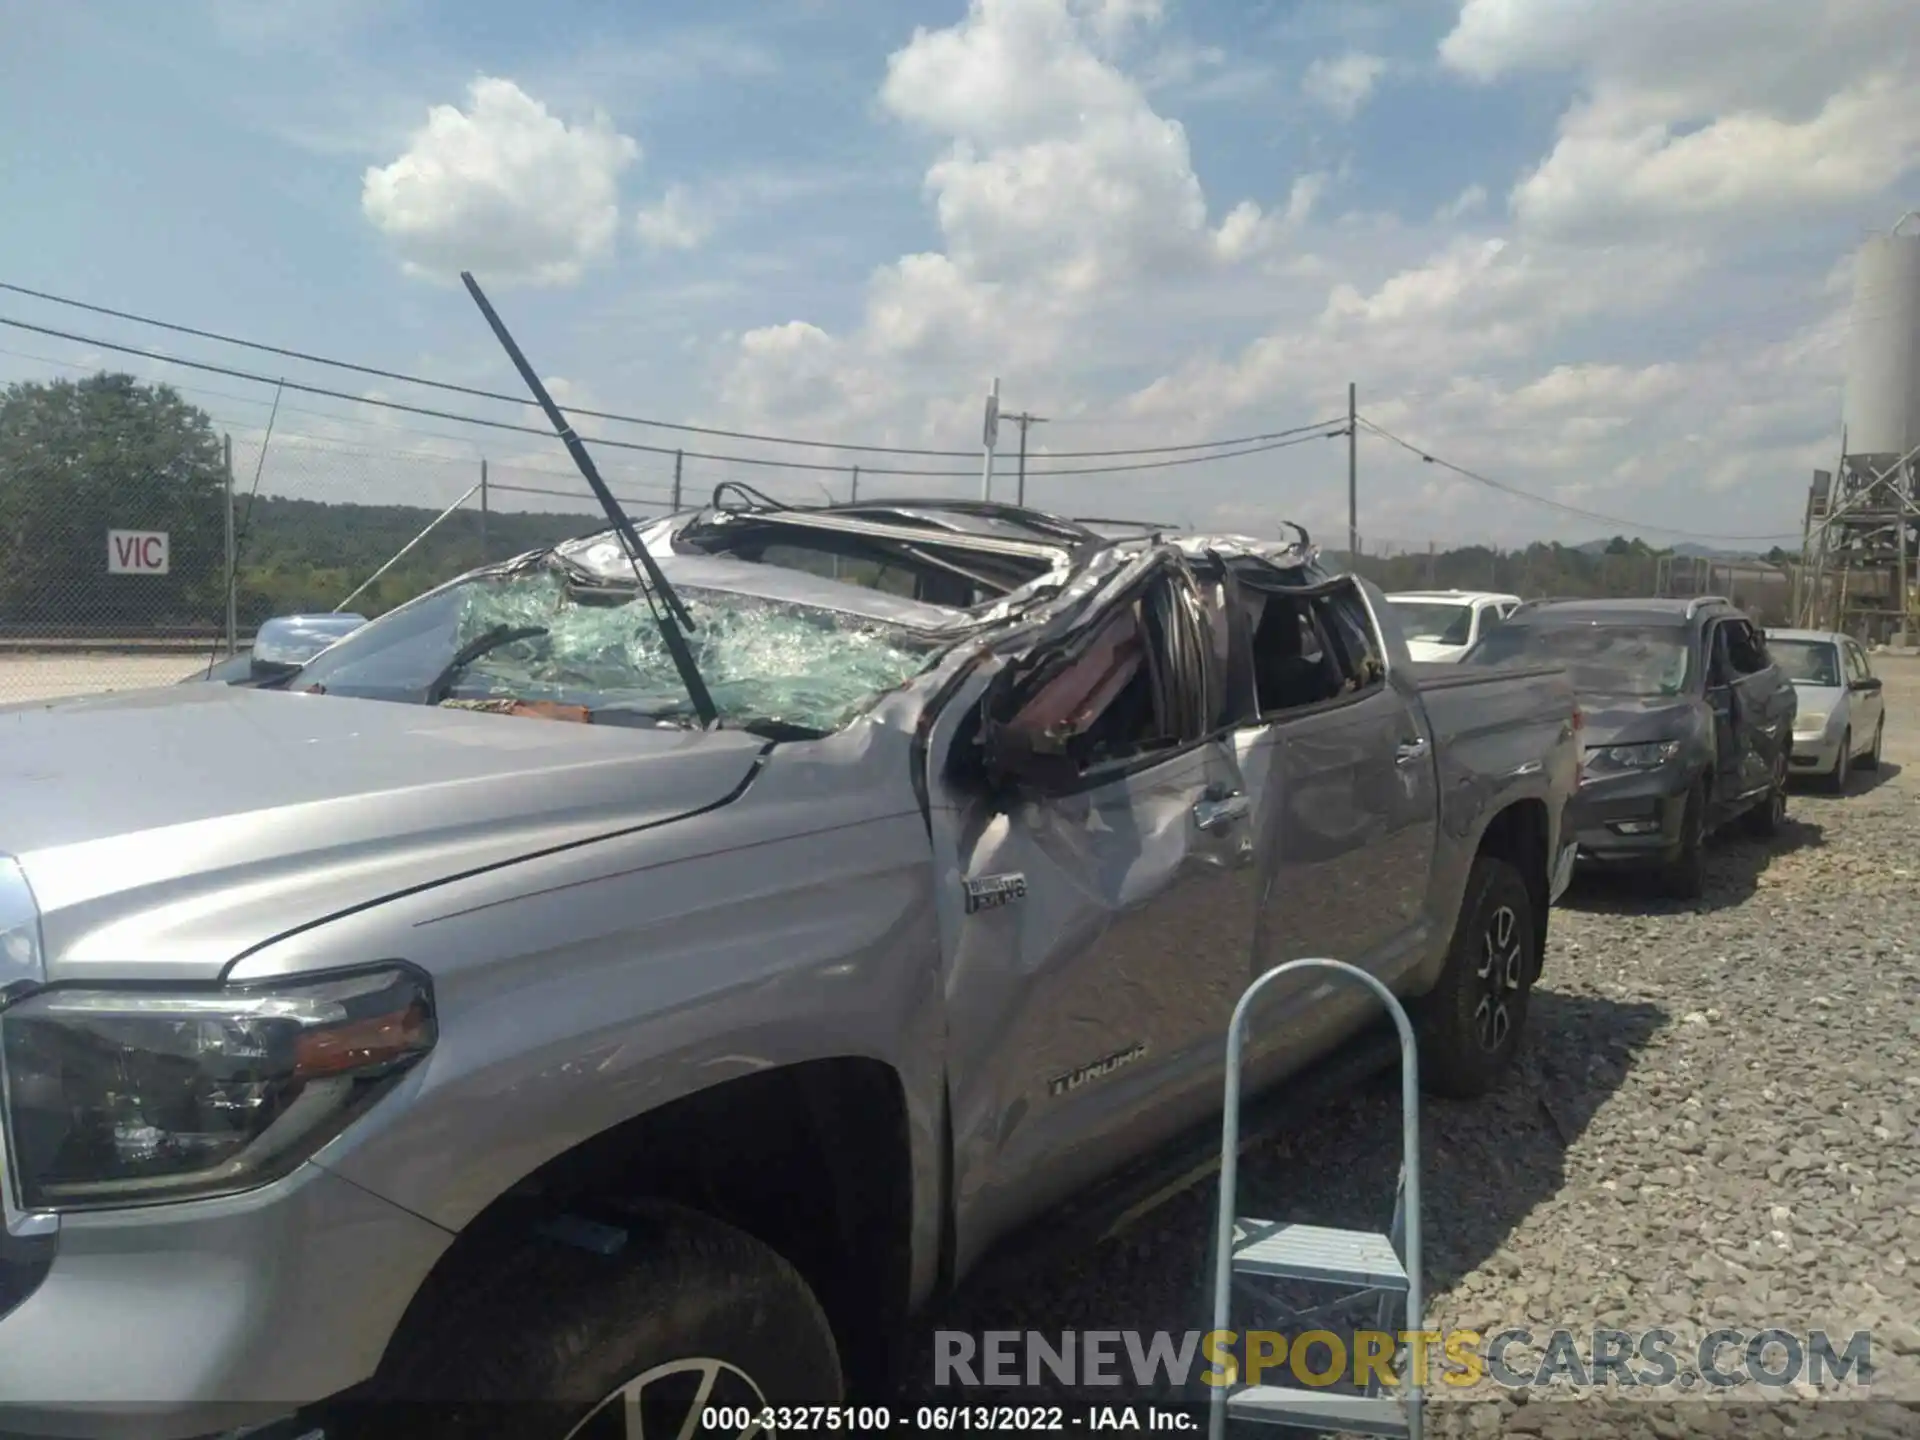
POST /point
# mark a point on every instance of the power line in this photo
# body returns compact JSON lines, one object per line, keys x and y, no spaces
{"x":1282,"y":439}
{"x":1518,"y":493}
{"x":521,"y":400}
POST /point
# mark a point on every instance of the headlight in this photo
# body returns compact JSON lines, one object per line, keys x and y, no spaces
{"x":1810,"y":722}
{"x":1632,"y":757}
{"x":20,"y":957}
{"x":129,"y":1098}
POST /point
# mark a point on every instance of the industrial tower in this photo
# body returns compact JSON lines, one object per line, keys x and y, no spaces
{"x":1862,"y":518}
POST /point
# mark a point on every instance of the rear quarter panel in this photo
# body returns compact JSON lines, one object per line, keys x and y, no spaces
{"x":1502,"y":734}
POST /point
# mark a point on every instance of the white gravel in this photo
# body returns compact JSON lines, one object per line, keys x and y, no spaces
{"x":1716,"y":1123}
{"x":48,"y":676}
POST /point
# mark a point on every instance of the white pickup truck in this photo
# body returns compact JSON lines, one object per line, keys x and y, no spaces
{"x":1443,"y":624}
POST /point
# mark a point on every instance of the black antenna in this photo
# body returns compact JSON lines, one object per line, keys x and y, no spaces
{"x":654,"y":583}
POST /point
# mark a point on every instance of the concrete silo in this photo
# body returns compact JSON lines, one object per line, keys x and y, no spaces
{"x":1861,"y":524}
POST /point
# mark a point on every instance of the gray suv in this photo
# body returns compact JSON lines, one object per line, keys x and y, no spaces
{"x":1688,"y":724}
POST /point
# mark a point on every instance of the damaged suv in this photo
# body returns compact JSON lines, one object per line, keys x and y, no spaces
{"x":665,"y":1046}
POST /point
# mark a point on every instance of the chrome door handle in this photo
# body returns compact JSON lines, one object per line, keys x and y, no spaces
{"x":1218,"y":813}
{"x":1409,"y":751}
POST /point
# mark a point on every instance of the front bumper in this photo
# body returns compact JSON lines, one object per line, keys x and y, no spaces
{"x":1631,"y":817}
{"x":206,"y":1317}
{"x":1814,"y":755}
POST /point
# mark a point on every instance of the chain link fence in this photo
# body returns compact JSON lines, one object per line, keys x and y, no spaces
{"x":124,"y":566}
{"x":137,"y":554}
{"x":1619,"y":569}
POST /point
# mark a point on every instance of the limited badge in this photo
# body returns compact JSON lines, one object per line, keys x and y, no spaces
{"x":989,"y":892}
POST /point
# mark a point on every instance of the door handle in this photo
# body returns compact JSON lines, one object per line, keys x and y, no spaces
{"x":1217,"y":813}
{"x":1409,"y":751}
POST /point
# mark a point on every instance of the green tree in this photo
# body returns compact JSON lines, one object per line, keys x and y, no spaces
{"x":80,"y":458}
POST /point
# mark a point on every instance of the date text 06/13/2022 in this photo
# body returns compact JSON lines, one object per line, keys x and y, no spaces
{"x":947,"y":1419}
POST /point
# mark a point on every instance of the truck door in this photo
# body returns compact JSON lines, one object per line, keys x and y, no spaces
{"x":1729,"y":734}
{"x":1098,"y":933}
{"x":1347,"y":839}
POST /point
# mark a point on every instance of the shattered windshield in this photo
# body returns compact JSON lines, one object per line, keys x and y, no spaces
{"x":1642,"y":661}
{"x":536,"y":638}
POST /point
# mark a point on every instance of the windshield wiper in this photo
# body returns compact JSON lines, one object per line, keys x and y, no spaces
{"x":669,"y":613}
{"x":486,"y":641}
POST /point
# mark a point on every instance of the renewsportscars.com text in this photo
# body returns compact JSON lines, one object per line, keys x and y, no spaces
{"x":1516,"y":1358}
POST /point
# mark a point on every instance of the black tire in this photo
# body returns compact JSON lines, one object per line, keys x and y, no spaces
{"x":541,"y":1347}
{"x":1835,"y":783}
{"x":1684,"y":877}
{"x":1469,"y":1025}
{"x":1871,"y":760}
{"x":1764,"y":820}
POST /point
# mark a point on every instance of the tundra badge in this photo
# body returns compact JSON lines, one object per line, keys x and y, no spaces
{"x":1096,"y":1069}
{"x":988,"y":892}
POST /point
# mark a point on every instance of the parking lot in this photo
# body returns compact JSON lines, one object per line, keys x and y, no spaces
{"x":1714,"y":1125}
{"x":43,"y":675}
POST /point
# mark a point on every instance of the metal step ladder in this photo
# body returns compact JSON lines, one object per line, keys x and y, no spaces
{"x":1356,"y":1260}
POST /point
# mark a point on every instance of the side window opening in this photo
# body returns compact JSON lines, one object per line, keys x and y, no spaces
{"x":1311,"y":649}
{"x":1744,"y":650}
{"x":1720,"y":662}
{"x":1146,"y":682}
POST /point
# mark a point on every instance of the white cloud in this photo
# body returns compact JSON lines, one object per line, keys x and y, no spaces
{"x":504,"y":188}
{"x":1059,"y":189}
{"x":1343,"y":84}
{"x":674,"y":222}
{"x":1468,"y":202}
{"x":1615,"y":168}
{"x":1594,"y":340}
{"x":1716,"y":114}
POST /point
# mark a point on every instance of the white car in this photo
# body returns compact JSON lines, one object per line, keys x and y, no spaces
{"x":1441,"y":624}
{"x":1842,"y":714}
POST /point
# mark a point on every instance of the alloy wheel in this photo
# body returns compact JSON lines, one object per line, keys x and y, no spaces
{"x":1500,"y":972}
{"x":669,"y":1401}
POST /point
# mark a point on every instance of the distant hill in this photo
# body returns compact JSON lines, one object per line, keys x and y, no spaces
{"x":1687,"y":548}
{"x":310,"y":554}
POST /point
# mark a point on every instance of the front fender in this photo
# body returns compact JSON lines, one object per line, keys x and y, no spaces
{"x":587,"y":988}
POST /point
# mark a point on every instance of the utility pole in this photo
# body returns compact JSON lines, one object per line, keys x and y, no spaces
{"x":485,"y":554}
{"x":233,"y":580}
{"x":853,"y":490}
{"x":1023,"y":420}
{"x":679,"y":458}
{"x":1353,"y":478}
{"x":989,"y":437}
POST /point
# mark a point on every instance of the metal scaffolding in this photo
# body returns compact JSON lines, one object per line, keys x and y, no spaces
{"x":1862,"y":524}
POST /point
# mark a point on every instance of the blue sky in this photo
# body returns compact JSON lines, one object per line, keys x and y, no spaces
{"x":1595,"y":248}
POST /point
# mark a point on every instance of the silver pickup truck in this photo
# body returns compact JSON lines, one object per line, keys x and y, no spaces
{"x":457,"y":1018}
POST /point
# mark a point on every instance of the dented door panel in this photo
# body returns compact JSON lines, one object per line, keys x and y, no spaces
{"x":1102,"y":943}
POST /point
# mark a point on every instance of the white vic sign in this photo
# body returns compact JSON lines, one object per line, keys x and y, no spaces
{"x":136,"y":552}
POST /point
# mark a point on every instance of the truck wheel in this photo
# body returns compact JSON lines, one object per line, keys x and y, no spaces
{"x":1684,"y":877}
{"x":1836,"y":782}
{"x":1469,"y":1024}
{"x":1765,"y":819}
{"x":561,"y":1343}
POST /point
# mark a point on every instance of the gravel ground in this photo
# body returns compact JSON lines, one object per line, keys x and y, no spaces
{"x":45,"y":676}
{"x":1714,"y":1124}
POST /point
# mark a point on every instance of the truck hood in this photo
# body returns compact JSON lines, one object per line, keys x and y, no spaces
{"x":1628,"y":719}
{"x":166,"y":832}
{"x":1432,"y":650}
